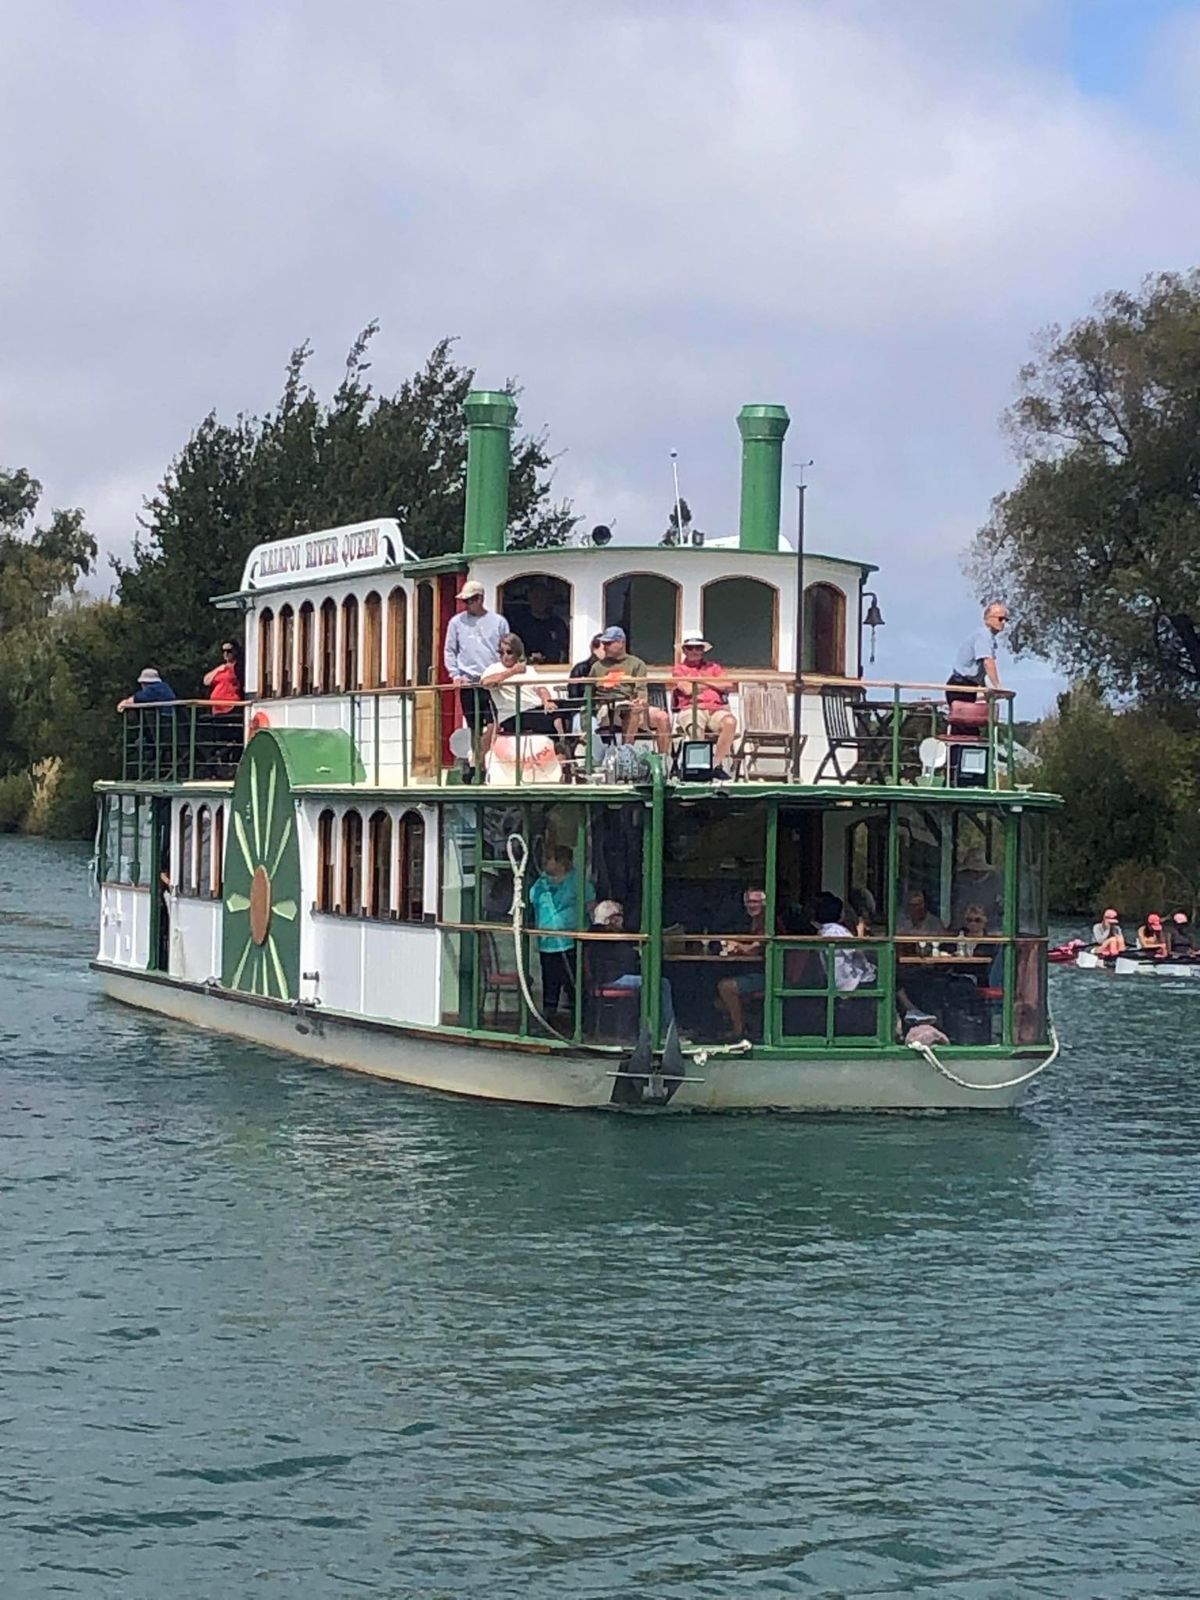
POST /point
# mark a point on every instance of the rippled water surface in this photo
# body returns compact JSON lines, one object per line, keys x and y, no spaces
{"x":269,"y":1330}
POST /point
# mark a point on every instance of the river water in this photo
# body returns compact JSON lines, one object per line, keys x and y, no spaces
{"x":270,"y":1330}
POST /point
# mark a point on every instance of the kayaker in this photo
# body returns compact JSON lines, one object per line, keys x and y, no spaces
{"x":1180,"y":936}
{"x":1150,"y":936}
{"x":1107,"y":938}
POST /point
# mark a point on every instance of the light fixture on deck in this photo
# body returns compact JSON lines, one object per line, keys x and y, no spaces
{"x":873,"y":618}
{"x":696,"y":761}
{"x":601,"y":534}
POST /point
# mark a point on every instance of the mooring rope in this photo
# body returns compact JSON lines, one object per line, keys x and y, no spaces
{"x":518,"y":855}
{"x":986,"y":1088}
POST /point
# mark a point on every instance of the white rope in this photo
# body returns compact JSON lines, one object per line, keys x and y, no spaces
{"x":986,"y":1088}
{"x":518,"y":855}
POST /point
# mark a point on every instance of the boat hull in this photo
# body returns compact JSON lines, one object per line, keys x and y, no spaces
{"x":499,"y":1070}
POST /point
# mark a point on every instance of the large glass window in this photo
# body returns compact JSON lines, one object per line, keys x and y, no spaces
{"x":1031,"y":874}
{"x":646,"y":605}
{"x":740,"y":620}
{"x":824,"y":642}
{"x":538,"y":609}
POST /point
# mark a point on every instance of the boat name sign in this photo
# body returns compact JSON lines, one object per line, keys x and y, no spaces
{"x":362,"y":547}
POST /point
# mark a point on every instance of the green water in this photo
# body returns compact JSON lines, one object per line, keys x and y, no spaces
{"x":268,"y":1330}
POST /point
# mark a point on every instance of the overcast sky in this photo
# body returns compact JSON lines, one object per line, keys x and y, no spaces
{"x":646,"y":213}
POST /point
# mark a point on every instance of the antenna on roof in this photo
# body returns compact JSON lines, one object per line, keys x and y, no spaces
{"x":678,"y":507}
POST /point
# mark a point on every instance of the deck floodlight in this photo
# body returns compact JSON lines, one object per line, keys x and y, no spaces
{"x":696,"y":761}
{"x":972,"y":766}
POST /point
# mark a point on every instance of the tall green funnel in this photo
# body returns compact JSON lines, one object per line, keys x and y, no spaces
{"x":490,"y":417}
{"x":762,"y":429}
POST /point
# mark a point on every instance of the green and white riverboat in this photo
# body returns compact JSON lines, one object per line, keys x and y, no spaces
{"x":312,"y":873}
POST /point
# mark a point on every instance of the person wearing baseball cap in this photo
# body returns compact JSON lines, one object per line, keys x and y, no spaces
{"x":626,"y":699}
{"x":472,"y":645}
{"x":1150,"y":936}
{"x":1107,"y":938}
{"x":700,"y":699}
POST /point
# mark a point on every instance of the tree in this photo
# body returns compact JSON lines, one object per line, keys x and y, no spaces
{"x":680,"y":518}
{"x":1097,"y":548}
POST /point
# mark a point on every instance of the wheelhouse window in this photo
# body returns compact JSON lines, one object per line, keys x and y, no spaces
{"x":305,"y":641}
{"x":185,"y":875}
{"x":824,"y":631}
{"x":328,"y":647}
{"x":266,"y":653}
{"x":372,"y":641}
{"x":352,"y":864}
{"x":740,"y":619}
{"x":397,"y":638}
{"x":287,"y":643}
{"x":412,"y":867}
{"x":379,"y":901}
{"x":350,"y":643}
{"x":537,"y":607}
{"x":646,"y":605}
{"x":326,"y":861}
{"x":204,"y":843}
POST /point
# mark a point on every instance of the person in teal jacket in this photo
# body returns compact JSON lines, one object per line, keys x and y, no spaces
{"x":553,"y":897}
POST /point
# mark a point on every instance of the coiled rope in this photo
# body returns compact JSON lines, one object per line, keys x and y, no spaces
{"x":987,"y":1088}
{"x":518,"y":856}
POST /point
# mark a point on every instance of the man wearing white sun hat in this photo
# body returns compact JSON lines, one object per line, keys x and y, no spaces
{"x":701,"y":701}
{"x":472,"y":646}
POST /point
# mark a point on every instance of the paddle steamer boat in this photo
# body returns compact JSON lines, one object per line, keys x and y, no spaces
{"x":312,"y":874}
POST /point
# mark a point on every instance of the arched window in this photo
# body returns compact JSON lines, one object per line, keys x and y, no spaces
{"x":537,"y":607}
{"x":185,"y":867}
{"x":287,"y":644}
{"x":397,"y":638}
{"x":647,"y":607}
{"x":328,"y":646}
{"x":350,"y":643}
{"x":412,"y":867}
{"x":352,"y":864}
{"x":824,"y":631}
{"x":266,"y":653}
{"x":379,"y":900}
{"x":326,"y":861}
{"x":372,"y":641}
{"x":218,"y":873}
{"x":740,"y":620}
{"x":204,"y":842}
{"x":305,"y":673}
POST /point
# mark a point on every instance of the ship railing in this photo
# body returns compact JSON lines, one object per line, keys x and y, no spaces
{"x":856,"y":732}
{"x":182,"y":741}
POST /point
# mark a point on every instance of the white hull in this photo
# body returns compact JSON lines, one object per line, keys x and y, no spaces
{"x":900,"y":1081}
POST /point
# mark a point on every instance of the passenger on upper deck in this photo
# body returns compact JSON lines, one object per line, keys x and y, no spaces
{"x":546,"y":636}
{"x":627,"y":700}
{"x":975,"y":665}
{"x":514,"y":689}
{"x":472,"y":646}
{"x":224,"y":683}
{"x":702,"y":708}
{"x":152,"y":688}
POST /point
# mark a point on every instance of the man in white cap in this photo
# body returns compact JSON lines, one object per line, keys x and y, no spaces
{"x":472,"y":646}
{"x":701,"y":701}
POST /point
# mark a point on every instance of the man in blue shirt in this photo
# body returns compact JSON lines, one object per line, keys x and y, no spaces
{"x":975,"y":663}
{"x":151,"y":687}
{"x":553,"y":896}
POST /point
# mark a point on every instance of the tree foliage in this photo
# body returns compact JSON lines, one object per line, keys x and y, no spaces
{"x":1097,"y":548}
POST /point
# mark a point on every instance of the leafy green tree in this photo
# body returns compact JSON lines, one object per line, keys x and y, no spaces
{"x":1097,"y":548}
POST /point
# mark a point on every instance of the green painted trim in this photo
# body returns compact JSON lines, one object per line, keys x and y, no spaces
{"x":653,"y":848}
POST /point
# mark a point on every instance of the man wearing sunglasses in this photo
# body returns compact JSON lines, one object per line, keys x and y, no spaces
{"x":975,"y":665}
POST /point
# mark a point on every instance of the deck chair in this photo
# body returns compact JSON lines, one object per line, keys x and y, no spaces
{"x":767,"y":745}
{"x":841,"y":736}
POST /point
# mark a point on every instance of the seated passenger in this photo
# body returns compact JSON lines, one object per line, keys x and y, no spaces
{"x":1107,"y":938}
{"x":617,"y":964}
{"x":851,"y":968}
{"x":702,"y":708}
{"x":538,"y":712}
{"x":917,"y":918}
{"x":1180,"y":935}
{"x":573,"y":699}
{"x":736,"y":988}
{"x":627,"y":700}
{"x":1150,"y":936}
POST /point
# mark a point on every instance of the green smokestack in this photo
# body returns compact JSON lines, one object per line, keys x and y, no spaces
{"x":762,"y":429}
{"x":490,"y":417}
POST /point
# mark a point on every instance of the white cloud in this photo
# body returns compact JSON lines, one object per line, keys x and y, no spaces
{"x":648,"y":213}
